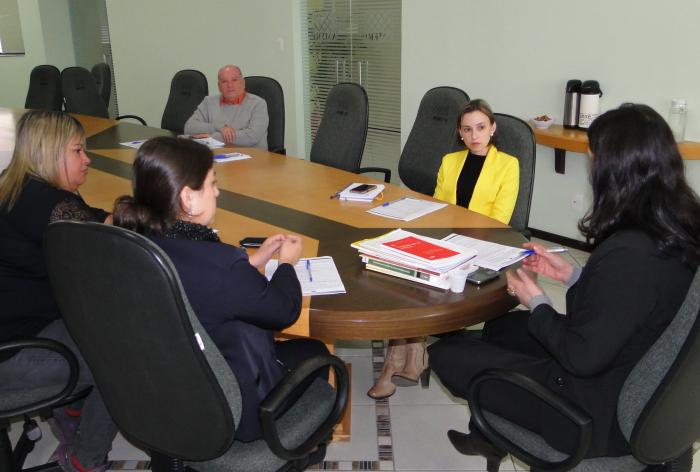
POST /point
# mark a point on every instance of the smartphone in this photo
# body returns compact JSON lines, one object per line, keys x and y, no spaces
{"x":251,"y":242}
{"x":364,"y":188}
{"x":482,"y":275}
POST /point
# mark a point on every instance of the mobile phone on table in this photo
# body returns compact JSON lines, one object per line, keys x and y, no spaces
{"x":364,"y":188}
{"x":482,"y":275}
{"x":251,"y":242}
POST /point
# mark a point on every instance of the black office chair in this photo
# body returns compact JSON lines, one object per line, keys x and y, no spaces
{"x":434,"y":134}
{"x":103,"y":80}
{"x":44,"y":91}
{"x":29,"y":402}
{"x":81,"y":95}
{"x":340,"y":138}
{"x":515,"y":137}
{"x":187,"y":90}
{"x":270,"y":90}
{"x":163,"y":380}
{"x":657,"y":407}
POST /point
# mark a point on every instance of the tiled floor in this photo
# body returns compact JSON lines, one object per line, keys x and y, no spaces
{"x":405,"y":433}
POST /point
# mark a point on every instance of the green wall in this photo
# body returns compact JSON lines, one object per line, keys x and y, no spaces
{"x":518,"y":55}
{"x":153,"y":40}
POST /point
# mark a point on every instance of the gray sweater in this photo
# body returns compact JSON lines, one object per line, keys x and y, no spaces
{"x":249,"y":119}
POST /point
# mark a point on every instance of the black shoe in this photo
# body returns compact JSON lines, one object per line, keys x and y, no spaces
{"x":473,"y":445}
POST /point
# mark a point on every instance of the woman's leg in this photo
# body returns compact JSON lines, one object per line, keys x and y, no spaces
{"x":37,"y":368}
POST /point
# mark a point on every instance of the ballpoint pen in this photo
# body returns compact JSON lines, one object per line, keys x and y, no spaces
{"x":308,"y":269}
{"x":530,"y":252}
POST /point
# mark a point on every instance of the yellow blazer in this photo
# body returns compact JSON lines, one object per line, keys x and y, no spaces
{"x":496,"y":188}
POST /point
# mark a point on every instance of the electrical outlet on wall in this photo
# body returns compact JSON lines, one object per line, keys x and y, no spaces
{"x":577,"y":202}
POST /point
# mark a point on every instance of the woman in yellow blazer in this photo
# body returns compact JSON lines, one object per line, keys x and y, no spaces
{"x":480,"y":178}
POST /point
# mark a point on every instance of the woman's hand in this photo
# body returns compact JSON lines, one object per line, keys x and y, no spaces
{"x":521,"y":285}
{"x":290,"y":251}
{"x":547,"y":264}
{"x":266,"y":250}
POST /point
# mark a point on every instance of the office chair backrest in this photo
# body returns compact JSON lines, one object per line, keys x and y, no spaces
{"x":340,"y":138}
{"x":80,"y":93}
{"x":434,"y":134}
{"x":44,"y":92}
{"x":660,"y":400}
{"x":103,"y":80}
{"x":270,"y":90}
{"x":155,"y":366}
{"x":515,"y":137}
{"x":187,"y":90}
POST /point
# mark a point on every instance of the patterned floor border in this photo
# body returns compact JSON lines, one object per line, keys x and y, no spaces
{"x":384,"y":439}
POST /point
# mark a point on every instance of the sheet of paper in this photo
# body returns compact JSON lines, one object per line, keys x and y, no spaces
{"x":211,"y":142}
{"x":134,"y":144}
{"x":317,"y":275}
{"x":231,"y":156}
{"x":489,"y":255}
{"x":406,"y":209}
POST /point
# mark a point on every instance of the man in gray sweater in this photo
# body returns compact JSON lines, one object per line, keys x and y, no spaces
{"x":234,"y":117}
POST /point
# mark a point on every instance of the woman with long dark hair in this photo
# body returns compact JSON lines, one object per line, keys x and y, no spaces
{"x":173,"y":204}
{"x":644,"y":227}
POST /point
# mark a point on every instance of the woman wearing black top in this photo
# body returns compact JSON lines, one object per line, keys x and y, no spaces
{"x":174,"y":204}
{"x":39,"y":187}
{"x":644,"y":226}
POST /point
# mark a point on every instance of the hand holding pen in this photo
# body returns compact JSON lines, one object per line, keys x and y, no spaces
{"x":547,"y":262}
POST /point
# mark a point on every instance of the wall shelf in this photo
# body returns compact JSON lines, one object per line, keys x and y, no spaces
{"x":562,"y":139}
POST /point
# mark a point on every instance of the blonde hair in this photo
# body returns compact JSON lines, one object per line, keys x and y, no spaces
{"x":40,"y":151}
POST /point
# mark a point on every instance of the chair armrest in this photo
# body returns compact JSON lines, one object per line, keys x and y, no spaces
{"x":279,"y":150}
{"x":271,"y":405}
{"x":382,"y":170}
{"x":50,"y":345}
{"x":569,"y":410}
{"x":137,"y":118}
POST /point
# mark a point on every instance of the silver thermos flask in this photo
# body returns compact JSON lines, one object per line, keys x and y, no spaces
{"x":571,"y":103}
{"x":589,"y":108}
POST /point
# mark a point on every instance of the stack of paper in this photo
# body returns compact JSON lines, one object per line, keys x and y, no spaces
{"x":210,"y":142}
{"x":317,"y":275}
{"x":413,"y":257}
{"x":406,"y":209}
{"x":231,"y":156}
{"x":347,"y":194}
{"x":490,"y":255}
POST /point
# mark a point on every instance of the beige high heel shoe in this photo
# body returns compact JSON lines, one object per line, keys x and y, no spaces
{"x":394,"y":361}
{"x":415,"y":368}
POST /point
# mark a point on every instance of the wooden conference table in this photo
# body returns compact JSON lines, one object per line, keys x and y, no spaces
{"x":271,"y":193}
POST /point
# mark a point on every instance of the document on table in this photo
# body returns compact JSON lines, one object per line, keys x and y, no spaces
{"x":406,"y":208}
{"x":317,"y":275}
{"x":231,"y":156}
{"x":489,"y":255}
{"x":211,"y":142}
{"x":134,"y":144}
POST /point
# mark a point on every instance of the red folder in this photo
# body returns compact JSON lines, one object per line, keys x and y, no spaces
{"x":419,"y":248}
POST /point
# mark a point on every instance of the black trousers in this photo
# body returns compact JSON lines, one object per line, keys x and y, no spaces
{"x":505,"y":343}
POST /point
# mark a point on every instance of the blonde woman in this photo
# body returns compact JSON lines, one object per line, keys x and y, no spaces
{"x":39,"y":187}
{"x":480,"y":178}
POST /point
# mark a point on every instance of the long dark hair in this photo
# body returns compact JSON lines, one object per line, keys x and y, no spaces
{"x":639,"y":182}
{"x":162,"y":168}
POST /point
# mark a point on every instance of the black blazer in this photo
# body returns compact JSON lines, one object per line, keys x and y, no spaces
{"x":626,"y":296}
{"x":26,"y":300}
{"x":240,"y":309}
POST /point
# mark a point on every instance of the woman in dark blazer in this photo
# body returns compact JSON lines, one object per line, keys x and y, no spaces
{"x":174,"y":203}
{"x":644,"y":226}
